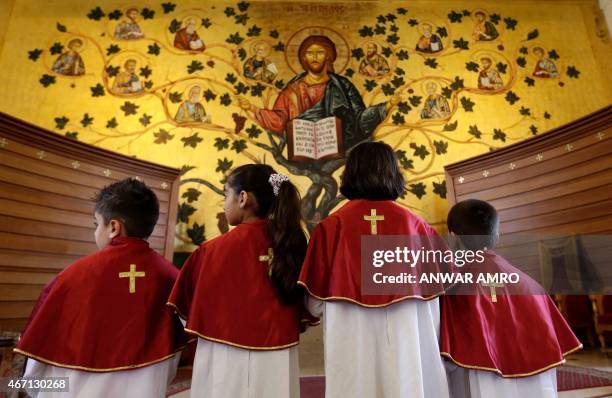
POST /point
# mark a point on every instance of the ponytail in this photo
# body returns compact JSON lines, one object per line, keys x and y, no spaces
{"x":279,"y":204}
{"x":284,"y":223}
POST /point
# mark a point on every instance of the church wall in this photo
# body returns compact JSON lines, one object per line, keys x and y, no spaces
{"x":85,"y":100}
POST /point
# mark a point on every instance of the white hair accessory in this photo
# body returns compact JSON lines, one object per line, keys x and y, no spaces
{"x":276,"y":180}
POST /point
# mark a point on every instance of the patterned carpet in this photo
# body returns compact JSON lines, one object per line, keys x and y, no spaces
{"x":568,"y":378}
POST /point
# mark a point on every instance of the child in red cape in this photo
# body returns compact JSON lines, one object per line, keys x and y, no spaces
{"x":505,"y":342}
{"x":102,"y":322}
{"x":239,"y":295}
{"x":376,"y":345}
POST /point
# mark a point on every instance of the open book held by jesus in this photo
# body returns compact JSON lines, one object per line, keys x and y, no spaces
{"x":314,"y":140}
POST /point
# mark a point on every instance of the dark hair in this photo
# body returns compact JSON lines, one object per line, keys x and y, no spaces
{"x":283,"y":220}
{"x":476,"y":222}
{"x":322,"y":41}
{"x":372,"y":172}
{"x":131,"y":202}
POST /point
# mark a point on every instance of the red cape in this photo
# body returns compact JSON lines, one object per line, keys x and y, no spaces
{"x":87,"y":319}
{"x":332,"y":268}
{"x":225,"y":294}
{"x":520,"y":335}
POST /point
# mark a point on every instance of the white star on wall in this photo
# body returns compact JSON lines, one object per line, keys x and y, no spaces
{"x":600,"y":136}
{"x":539,"y":157}
{"x":485,"y":173}
{"x":164,"y":185}
{"x":569,"y":147}
{"x":461,"y":179}
{"x":41,"y":154}
{"x":512,"y":166}
{"x":75,"y":164}
{"x":3,"y":142}
{"x":107,"y":173}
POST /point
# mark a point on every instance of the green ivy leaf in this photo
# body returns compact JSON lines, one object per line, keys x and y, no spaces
{"x":224,"y":165}
{"x":533,"y":129}
{"x":461,"y":44}
{"x":403,"y":107}
{"x":495,"y":18}
{"x":348,"y":72}
{"x":441,"y":31}
{"x":60,"y":27}
{"x":225,"y":99}
{"x":397,"y":81}
{"x":168,"y":7}
{"x":147,"y":13}
{"x":221,"y":143}
{"x":357,"y":53}
{"x":154,"y":49}
{"x":129,"y":108}
{"x":279,"y":46}
{"x":573,"y":72}
{"x":525,"y":111}
{"x":97,"y":90}
{"x":47,"y":80}
{"x":393,"y":39}
{"x":96,"y":14}
{"x":60,"y":122}
{"x":431,"y":62}
{"x":441,"y":147}
{"x":175,"y":25}
{"x":472,"y":66}
{"x":439,"y":188}
{"x":239,"y":145}
{"x":162,"y":137}
{"x":511,"y":97}
{"x":455,"y":17}
{"x":402,"y":55}
{"x":241,"y":88}
{"x":87,"y":120}
{"x":56,"y":48}
{"x":398,"y":118}
{"x":192,"y":195}
{"x":417,"y":189}
{"x":229,"y":12}
{"x":388,"y":89}
{"x":499,"y":135}
{"x":145,"y":72}
{"x":419,"y":150}
{"x":457,"y":84}
{"x":552,"y":54}
{"x":196,"y":234}
{"x":206,"y":23}
{"x":145,"y":120}
{"x":402,"y":11}
{"x":366,"y":31}
{"x":467,"y":104}
{"x":184,"y":212}
{"x":370,"y":85}
{"x":451,"y":126}
{"x":521,"y":61}
{"x":257,"y":90}
{"x":186,"y":169}
{"x":510,"y":23}
{"x":241,"y":19}
{"x":194,"y":66}
{"x":243,"y":6}
{"x":234,"y":38}
{"x":115,"y":15}
{"x":112,"y":70}
{"x":546,"y":115}
{"x":413,"y":22}
{"x":112,"y":49}
{"x":112,"y":123}
{"x":73,"y":135}
{"x":175,"y":97}
{"x":209,"y":95}
{"x":254,"y":31}
{"x":34,"y":54}
{"x":253,"y":131}
{"x":192,"y":141}
{"x":415,"y":100}
{"x":274,"y":34}
{"x":473,"y":130}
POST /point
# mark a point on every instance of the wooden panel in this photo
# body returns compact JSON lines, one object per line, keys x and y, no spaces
{"x":47,"y":187}
{"x":558,"y":184}
{"x":11,"y":292}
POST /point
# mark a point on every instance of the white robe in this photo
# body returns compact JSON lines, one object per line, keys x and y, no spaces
{"x":146,"y":382}
{"x":388,"y":352}
{"x":468,"y":383}
{"x":224,"y":371}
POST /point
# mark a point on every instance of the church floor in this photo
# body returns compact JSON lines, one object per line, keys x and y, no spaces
{"x":311,"y":364}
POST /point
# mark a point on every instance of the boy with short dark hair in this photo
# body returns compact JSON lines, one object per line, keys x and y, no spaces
{"x":102,"y":322}
{"x":503,"y":341}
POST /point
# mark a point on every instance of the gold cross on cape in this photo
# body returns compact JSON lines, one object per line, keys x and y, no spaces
{"x":268,"y":258}
{"x":373,"y":219}
{"x":132,"y":275}
{"x":492,"y":287}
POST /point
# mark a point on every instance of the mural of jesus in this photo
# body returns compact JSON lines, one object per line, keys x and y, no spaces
{"x":318,"y":93}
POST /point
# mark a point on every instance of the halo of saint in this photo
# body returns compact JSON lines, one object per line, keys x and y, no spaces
{"x":374,"y":64}
{"x":484,"y":29}
{"x":191,"y":109}
{"x":69,"y":62}
{"x":429,"y":42}
{"x":127,"y":82}
{"x":128,"y":27}
{"x":188,"y":36}
{"x":544,"y":66}
{"x":294,"y":41}
{"x":489,"y":78}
